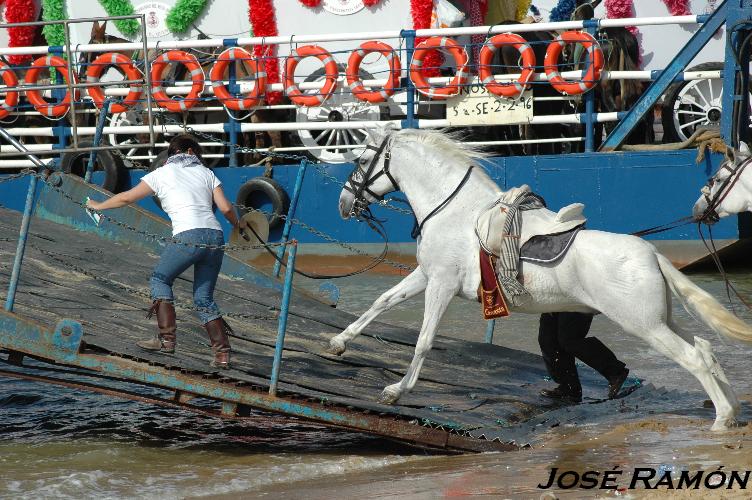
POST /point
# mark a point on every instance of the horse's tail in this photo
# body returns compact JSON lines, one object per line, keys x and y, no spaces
{"x":709,"y":310}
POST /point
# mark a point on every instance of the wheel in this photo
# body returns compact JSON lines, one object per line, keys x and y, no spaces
{"x":134,"y":117}
{"x":114,"y":170}
{"x":340,"y":107}
{"x":693,"y":104}
{"x":261,"y":191}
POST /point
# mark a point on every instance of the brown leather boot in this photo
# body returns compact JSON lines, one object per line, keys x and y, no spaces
{"x":217,"y":329}
{"x":165,"y":339}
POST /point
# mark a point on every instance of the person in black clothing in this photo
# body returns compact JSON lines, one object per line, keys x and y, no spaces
{"x":562,"y":338}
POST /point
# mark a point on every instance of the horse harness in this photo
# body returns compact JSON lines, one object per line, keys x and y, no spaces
{"x":710,"y":214}
{"x":358,"y":188}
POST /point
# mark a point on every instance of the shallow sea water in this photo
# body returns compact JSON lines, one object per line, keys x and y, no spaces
{"x":58,"y":443}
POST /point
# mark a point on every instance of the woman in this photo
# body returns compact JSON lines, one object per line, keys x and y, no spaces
{"x":187,"y":191}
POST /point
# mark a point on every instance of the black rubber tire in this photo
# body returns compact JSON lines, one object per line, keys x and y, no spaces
{"x":252,"y":193}
{"x":157,"y":162}
{"x":107,"y":161}
{"x":672,"y":93}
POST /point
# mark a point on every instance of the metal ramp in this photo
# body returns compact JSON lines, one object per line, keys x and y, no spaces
{"x":80,"y":305}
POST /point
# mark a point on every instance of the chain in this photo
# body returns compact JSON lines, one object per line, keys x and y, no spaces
{"x":19,"y":175}
{"x":141,"y":293}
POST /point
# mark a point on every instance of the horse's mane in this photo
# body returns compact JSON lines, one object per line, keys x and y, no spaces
{"x":449,"y":144}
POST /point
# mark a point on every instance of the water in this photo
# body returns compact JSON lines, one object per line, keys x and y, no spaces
{"x":62,"y":443}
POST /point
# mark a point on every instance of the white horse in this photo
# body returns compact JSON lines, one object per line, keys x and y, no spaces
{"x":620,"y":276}
{"x":728,"y":191}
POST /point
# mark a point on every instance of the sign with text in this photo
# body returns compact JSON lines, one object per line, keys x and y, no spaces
{"x":475,"y":105}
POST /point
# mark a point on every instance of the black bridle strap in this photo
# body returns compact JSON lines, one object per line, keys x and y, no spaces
{"x":418,"y":228}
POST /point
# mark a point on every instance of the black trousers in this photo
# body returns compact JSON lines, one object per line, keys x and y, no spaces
{"x":562,"y":338}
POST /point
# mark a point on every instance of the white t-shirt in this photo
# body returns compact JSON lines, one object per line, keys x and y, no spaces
{"x":184,"y":188}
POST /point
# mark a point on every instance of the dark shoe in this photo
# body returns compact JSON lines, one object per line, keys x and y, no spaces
{"x":562,"y":394}
{"x":615,"y":383}
{"x":217,"y":330}
{"x":165,"y":340}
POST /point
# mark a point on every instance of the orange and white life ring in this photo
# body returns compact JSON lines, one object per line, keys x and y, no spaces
{"x":592,"y":74}
{"x":485,"y":74}
{"x":160,"y":65}
{"x":11,"y":97}
{"x":353,"y":72}
{"x":35,"y":96}
{"x":217,"y":76}
{"x":460,"y":60}
{"x":124,"y":64}
{"x":330,"y":84}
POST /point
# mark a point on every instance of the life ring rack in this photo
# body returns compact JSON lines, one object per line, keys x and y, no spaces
{"x":35,"y":97}
{"x":158,"y":67}
{"x":487,"y":52}
{"x":124,"y":64}
{"x":592,"y":74}
{"x":353,"y":69}
{"x":217,"y":76}
{"x":11,"y":97}
{"x":461,"y":76}
{"x":330,"y":84}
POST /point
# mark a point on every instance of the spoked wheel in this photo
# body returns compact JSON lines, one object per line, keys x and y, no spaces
{"x":693,"y":104}
{"x":138,"y":156}
{"x":337,"y":146}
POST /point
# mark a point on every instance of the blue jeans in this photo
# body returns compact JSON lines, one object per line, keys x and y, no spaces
{"x":206,"y":262}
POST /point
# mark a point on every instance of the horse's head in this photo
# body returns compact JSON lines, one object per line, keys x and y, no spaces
{"x":371,"y":179}
{"x":725,"y":193}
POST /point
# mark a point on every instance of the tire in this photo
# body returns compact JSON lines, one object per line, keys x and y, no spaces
{"x":114,"y":170}
{"x":261,"y":190}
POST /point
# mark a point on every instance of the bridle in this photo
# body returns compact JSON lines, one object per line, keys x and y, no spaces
{"x":710,"y":215}
{"x":368,"y":178}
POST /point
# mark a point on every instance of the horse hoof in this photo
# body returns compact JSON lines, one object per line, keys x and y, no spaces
{"x":723,"y":424}
{"x":387,"y":397}
{"x":336,"y":347}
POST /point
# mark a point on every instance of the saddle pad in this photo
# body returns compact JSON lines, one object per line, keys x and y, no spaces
{"x":548,"y":248}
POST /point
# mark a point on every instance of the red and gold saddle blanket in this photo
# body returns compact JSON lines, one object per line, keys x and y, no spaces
{"x":490,"y":294}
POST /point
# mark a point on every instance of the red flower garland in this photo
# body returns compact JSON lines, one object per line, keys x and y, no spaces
{"x":421,"y":12}
{"x":261,"y":15}
{"x":20,"y":11}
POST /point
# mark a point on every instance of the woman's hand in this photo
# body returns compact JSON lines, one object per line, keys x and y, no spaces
{"x":94,"y":205}
{"x":242,"y":224}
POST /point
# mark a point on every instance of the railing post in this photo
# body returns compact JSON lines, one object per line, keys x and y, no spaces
{"x":591,"y":26}
{"x":21,"y":247}
{"x":97,"y":139}
{"x":410,"y":121}
{"x":231,"y":127}
{"x":283,"y":313}
{"x":290,"y":215}
{"x":490,"y":324}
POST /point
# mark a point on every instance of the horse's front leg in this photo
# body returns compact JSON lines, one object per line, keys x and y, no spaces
{"x":413,"y":284}
{"x":438,"y":296}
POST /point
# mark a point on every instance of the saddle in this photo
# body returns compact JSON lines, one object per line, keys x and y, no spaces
{"x":516,"y":227}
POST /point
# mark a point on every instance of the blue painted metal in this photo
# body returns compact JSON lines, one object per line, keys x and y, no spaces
{"x":490,"y":325}
{"x":733,"y":95}
{"x":410,"y":121}
{"x":101,"y":120}
{"x":21,"y":247}
{"x":290,"y":215}
{"x":592,"y":28}
{"x":648,"y":99}
{"x":283,"y":313}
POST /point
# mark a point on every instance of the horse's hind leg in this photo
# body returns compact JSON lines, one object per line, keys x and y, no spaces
{"x":413,"y":284}
{"x":699,"y":361}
